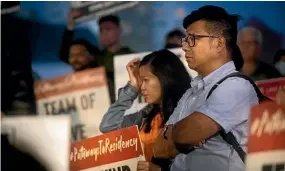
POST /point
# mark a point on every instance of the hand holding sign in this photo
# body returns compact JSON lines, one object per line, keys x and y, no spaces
{"x":147,"y":166}
{"x":71,"y":19}
{"x":280,"y":96}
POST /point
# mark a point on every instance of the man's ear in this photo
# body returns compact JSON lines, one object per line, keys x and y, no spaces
{"x":220,"y":44}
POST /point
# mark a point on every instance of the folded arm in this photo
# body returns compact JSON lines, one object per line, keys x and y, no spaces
{"x":228,"y":106}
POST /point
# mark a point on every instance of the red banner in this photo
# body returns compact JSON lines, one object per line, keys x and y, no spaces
{"x":270,"y":87}
{"x":267,"y":127}
{"x":116,"y":146}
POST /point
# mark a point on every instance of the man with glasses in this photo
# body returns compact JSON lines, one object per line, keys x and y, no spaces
{"x":201,"y":115}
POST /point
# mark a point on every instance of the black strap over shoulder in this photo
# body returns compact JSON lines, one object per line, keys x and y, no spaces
{"x":260,"y":96}
{"x":229,"y":137}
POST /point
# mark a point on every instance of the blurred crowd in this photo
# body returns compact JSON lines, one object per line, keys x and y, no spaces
{"x":245,"y":48}
{"x":81,"y":54}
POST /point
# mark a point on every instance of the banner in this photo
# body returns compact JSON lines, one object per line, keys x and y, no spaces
{"x":83,"y":95}
{"x":122,"y":77}
{"x":46,"y":139}
{"x":266,"y":142}
{"x":95,"y":9}
{"x":118,"y":150}
{"x":270,"y":87}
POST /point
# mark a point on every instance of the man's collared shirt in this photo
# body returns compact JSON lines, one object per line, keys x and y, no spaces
{"x":229,"y":105}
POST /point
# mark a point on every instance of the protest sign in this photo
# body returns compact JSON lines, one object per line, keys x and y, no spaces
{"x":118,"y":150}
{"x":89,"y":10}
{"x":46,"y":139}
{"x":270,"y":87}
{"x":266,"y":142}
{"x":122,"y":77}
{"x":8,"y":7}
{"x":83,"y":95}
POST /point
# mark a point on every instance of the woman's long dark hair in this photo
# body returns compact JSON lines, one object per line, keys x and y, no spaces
{"x":174,"y":80}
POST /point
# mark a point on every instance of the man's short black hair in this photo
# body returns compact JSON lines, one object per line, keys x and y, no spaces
{"x":174,"y":33}
{"x":219,"y":23}
{"x":111,"y":18}
{"x":93,"y":50}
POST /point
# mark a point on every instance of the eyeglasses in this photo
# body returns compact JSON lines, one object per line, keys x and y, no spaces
{"x":192,"y":37}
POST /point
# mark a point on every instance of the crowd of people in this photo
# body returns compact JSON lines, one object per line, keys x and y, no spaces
{"x":199,"y":124}
{"x":185,"y":123}
{"x":81,"y":54}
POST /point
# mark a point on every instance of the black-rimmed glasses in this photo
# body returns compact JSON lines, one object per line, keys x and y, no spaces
{"x":190,"y":39}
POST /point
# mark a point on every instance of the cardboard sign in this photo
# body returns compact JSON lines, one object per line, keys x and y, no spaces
{"x":266,"y":142}
{"x":47,"y":138}
{"x":83,"y":95}
{"x":122,"y":77}
{"x":270,"y":87}
{"x":95,"y":9}
{"x":8,"y":7}
{"x":117,"y":150}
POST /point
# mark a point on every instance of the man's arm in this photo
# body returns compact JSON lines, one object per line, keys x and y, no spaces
{"x":164,"y":146}
{"x":67,"y":37}
{"x":65,"y":44}
{"x":228,"y":106}
{"x":194,"y":129}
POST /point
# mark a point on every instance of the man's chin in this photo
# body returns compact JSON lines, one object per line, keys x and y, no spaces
{"x":191,"y":66}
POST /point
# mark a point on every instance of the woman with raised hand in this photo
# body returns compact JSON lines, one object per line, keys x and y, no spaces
{"x":162,"y":79}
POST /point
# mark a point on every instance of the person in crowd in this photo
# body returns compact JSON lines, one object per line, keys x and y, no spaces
{"x":110,"y":32}
{"x":173,"y":39}
{"x":209,"y":47}
{"x":279,"y":61}
{"x":17,"y":90}
{"x":82,"y":55}
{"x":78,"y":53}
{"x":162,"y":79}
{"x":250,"y":43}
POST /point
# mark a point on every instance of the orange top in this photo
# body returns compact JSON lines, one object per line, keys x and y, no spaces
{"x":148,"y":139}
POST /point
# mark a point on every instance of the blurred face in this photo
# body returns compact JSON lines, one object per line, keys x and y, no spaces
{"x":109,"y":33}
{"x":174,"y":41}
{"x":248,"y":45}
{"x":150,"y":86}
{"x":202,"y":52}
{"x":79,"y":57}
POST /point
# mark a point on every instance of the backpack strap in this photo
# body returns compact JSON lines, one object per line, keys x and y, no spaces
{"x":229,"y":137}
{"x":260,"y":96}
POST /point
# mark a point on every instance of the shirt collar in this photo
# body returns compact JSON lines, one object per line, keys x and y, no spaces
{"x":199,"y":81}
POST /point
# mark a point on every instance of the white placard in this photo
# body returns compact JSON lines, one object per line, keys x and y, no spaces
{"x":84,"y":95}
{"x":45,"y":138}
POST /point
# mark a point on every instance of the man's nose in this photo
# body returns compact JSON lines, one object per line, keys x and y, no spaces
{"x":185,"y":47}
